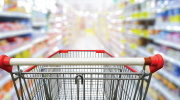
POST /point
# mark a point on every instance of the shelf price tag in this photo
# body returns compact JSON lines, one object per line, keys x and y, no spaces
{"x":133,"y":46}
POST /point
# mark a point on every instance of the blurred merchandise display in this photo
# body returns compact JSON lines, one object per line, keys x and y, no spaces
{"x":143,"y":28}
{"x":28,"y":30}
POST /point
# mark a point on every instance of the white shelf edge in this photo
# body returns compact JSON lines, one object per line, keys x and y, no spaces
{"x":15,"y":33}
{"x":15,"y":14}
{"x":39,"y":24}
{"x":23,"y":47}
{"x":18,"y":49}
{"x":167,"y":43}
{"x":40,"y":39}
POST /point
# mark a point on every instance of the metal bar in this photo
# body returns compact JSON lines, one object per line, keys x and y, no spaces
{"x":116,"y":91}
{"x":147,"y":86}
{"x":77,"y":61}
{"x":46,"y":90}
{"x":20,"y":84}
{"x":49,"y":89}
{"x":91,"y":87}
{"x":77,"y":89}
{"x":85,"y":78}
{"x":81,"y":68}
{"x":36,"y":88}
{"x":122,"y":89}
{"x":64,"y":87}
{"x":122,"y":73}
{"x":97,"y":88}
{"x":17,"y":93}
{"x":84,"y":88}
{"x":27,"y":89}
{"x":110,"y":88}
{"x":136,"y":90}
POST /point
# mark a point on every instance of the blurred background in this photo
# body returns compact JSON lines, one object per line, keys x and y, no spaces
{"x":124,"y":28}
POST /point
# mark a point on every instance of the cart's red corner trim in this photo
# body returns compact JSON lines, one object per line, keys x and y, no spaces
{"x":156,"y":63}
{"x":63,"y":51}
{"x":4,"y":63}
{"x":130,"y":68}
{"x":100,"y":51}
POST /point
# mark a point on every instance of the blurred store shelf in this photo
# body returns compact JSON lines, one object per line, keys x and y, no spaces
{"x":163,"y":89}
{"x":14,"y":33}
{"x":167,"y":43}
{"x":24,"y":47}
{"x":173,"y":27}
{"x":140,"y":19}
{"x":14,"y":14}
{"x":170,"y":77}
{"x":40,"y":39}
{"x":40,"y":53}
{"x":159,"y":86}
{"x":163,"y":72}
{"x":19,"y":49}
{"x":167,"y":58}
{"x":51,"y":31}
{"x":6,"y":79}
{"x":39,"y":24}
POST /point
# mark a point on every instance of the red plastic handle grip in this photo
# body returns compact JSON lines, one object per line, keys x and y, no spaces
{"x":157,"y":63}
{"x":4,"y":63}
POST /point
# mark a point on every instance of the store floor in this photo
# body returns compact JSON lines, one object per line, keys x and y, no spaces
{"x":87,"y":41}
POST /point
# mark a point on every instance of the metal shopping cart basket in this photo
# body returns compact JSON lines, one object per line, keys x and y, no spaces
{"x":81,"y":75}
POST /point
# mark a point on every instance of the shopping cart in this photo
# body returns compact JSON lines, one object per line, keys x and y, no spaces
{"x":81,"y":75}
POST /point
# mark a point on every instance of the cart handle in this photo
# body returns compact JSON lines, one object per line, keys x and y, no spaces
{"x":155,"y":62}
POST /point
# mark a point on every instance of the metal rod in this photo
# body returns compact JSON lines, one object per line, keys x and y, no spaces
{"x":84,"y":88}
{"x":147,"y":86}
{"x":80,"y":68}
{"x":84,"y":78}
{"x":122,"y":73}
{"x":15,"y":86}
{"x":27,"y":89}
{"x":136,"y":90}
{"x":20,"y":84}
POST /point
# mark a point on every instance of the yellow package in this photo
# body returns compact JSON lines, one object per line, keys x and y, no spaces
{"x":17,"y":55}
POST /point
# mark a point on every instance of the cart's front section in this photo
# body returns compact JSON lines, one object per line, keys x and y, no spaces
{"x":81,"y":81}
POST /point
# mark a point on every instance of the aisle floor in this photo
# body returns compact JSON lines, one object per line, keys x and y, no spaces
{"x":87,"y":42}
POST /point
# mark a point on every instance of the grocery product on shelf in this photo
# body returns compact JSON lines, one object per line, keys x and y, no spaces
{"x":13,"y":42}
{"x":14,"y":26}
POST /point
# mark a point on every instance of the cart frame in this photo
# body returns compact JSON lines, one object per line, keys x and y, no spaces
{"x":116,"y":80}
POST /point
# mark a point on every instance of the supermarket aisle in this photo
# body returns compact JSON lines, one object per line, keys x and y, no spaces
{"x":87,"y":42}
